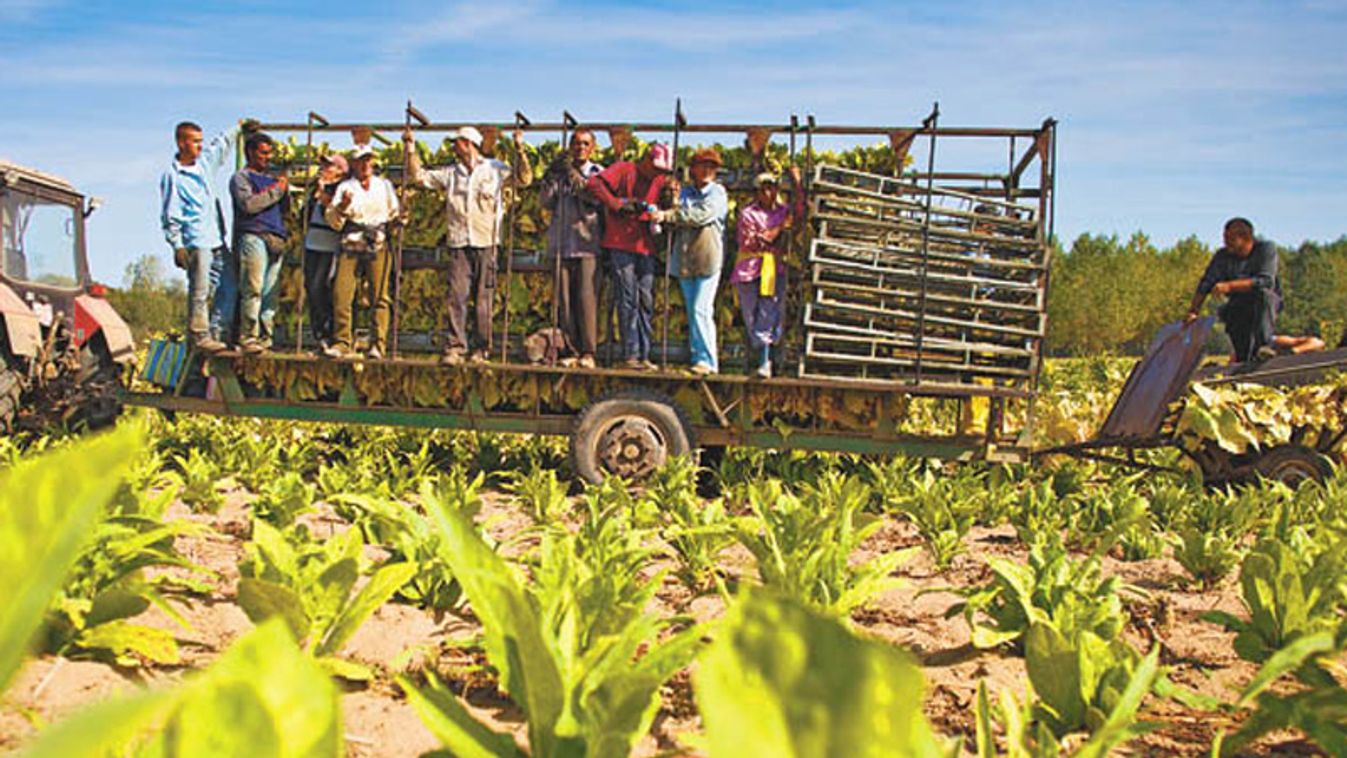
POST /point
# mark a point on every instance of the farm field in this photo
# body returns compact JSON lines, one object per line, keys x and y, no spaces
{"x":446,"y":589}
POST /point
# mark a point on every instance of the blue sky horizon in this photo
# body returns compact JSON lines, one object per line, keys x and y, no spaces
{"x":1173,"y":116}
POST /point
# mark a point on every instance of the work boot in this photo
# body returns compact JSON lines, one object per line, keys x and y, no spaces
{"x":452,"y":357}
{"x":1264,"y":353}
{"x":375,"y":354}
{"x":210,"y":345}
{"x":586,"y":361}
{"x":252,"y":346}
{"x":478,"y":357}
{"x":335,"y":352}
{"x":764,"y":369}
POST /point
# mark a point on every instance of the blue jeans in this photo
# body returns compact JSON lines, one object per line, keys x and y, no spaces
{"x":634,"y":283}
{"x":211,"y":292}
{"x":762,"y":315}
{"x":699,"y":293}
{"x":258,"y":276}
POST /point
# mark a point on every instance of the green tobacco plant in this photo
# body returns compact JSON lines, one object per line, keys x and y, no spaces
{"x":312,"y":587}
{"x":261,"y":697}
{"x":201,"y":479}
{"x":108,"y":586}
{"x":1029,"y":735}
{"x":802,"y":546}
{"x":1052,"y":587}
{"x":1041,"y":513}
{"x":1288,"y":594}
{"x":46,"y":518}
{"x":283,"y":498}
{"x":943,"y":508}
{"x":1106,"y":514}
{"x":1316,"y":708}
{"x":1081,"y":678}
{"x":783,"y":680}
{"x":696,"y":531}
{"x":585,"y":691}
{"x":541,"y":493}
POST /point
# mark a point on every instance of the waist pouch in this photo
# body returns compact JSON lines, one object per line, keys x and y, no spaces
{"x":365,"y":241}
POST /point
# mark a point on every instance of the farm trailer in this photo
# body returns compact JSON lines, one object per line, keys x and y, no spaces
{"x":921,"y":332}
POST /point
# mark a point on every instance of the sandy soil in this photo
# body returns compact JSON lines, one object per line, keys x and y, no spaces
{"x":379,"y":722}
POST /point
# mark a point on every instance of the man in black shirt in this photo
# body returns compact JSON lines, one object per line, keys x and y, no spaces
{"x":1245,"y":272}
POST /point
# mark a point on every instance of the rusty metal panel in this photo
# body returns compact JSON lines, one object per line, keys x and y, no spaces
{"x":1281,"y":371}
{"x":21,"y":324}
{"x":94,"y":315}
{"x":1157,"y":380}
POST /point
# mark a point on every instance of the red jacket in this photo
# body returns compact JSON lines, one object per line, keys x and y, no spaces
{"x":613,"y":187}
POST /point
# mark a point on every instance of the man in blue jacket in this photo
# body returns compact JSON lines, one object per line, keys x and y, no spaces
{"x":193,"y":225}
{"x":260,"y":204}
{"x":1245,"y":272}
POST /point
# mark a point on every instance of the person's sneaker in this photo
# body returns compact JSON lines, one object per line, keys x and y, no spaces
{"x":649,"y":366}
{"x":252,"y":346}
{"x":1264,"y":353}
{"x":452,"y":357}
{"x":702,"y":369}
{"x":335,"y":352}
{"x":634,"y":364}
{"x":567,"y":362}
{"x":375,"y":354}
{"x":764,"y":370}
{"x":586,"y":361}
{"x":211,"y":345}
{"x":478,"y":357}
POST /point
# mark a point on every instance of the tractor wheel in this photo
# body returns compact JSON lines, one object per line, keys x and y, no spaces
{"x":1292,"y":465}
{"x":628,"y":434}
{"x":11,"y":389}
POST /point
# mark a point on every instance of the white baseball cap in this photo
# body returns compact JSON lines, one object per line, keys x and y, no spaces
{"x":468,"y":133}
{"x":362,"y":151}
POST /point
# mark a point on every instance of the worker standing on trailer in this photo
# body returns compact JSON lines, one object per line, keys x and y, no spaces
{"x":193,"y":224}
{"x":362,"y":209}
{"x":699,"y":253}
{"x":474,"y":190}
{"x":1245,"y":272}
{"x":759,"y":274}
{"x":575,"y":234}
{"x":628,"y":192}
{"x":260,"y":204}
{"x":321,"y":246}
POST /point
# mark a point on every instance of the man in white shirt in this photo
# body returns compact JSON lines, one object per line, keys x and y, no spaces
{"x":475,"y":206}
{"x":361,"y":211}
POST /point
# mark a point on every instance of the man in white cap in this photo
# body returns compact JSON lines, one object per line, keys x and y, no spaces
{"x":474,"y":190}
{"x":362,"y":208}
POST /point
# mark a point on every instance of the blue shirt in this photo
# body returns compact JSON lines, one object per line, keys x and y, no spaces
{"x":189,"y":213}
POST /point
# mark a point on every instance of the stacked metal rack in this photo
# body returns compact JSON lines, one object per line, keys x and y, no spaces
{"x":920,"y":282}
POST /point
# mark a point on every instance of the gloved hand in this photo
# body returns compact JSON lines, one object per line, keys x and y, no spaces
{"x":181,"y":257}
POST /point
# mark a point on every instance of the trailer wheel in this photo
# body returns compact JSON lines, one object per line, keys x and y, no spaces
{"x":1292,"y":465}
{"x":628,"y":434}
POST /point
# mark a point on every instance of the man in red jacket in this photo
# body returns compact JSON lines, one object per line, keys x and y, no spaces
{"x":628,"y":192}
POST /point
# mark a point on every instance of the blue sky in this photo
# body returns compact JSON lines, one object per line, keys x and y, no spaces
{"x":1173,"y":116}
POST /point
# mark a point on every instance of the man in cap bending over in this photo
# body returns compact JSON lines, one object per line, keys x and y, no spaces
{"x":474,"y":192}
{"x":1245,"y":272}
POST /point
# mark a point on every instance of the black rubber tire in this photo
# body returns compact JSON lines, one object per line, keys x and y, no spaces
{"x":649,"y":416}
{"x":11,"y":393}
{"x":100,"y":376}
{"x":1293,"y":465}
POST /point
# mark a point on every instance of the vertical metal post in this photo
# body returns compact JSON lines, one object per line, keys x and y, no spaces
{"x":396,"y":295}
{"x":669,"y":240}
{"x":568,"y":125}
{"x":519,"y":122}
{"x":809,"y":192}
{"x":929,"y":125}
{"x":305,"y":210}
{"x":783,"y":282}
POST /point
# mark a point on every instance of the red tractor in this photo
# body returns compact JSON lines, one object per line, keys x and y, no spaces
{"x":63,"y":349}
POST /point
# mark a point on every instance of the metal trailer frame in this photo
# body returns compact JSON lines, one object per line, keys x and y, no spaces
{"x":637,"y":410}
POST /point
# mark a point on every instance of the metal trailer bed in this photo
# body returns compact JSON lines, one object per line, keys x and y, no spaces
{"x":1144,"y":415}
{"x":941,"y":388}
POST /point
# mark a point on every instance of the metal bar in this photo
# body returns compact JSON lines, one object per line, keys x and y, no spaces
{"x":809,"y":193}
{"x":669,"y":241}
{"x":567,"y":125}
{"x":305,"y":211}
{"x":929,"y":123}
{"x":396,"y":316}
{"x":519,"y":121}
{"x":660,"y":127}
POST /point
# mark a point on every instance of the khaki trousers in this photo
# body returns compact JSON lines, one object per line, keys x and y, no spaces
{"x":375,"y":270}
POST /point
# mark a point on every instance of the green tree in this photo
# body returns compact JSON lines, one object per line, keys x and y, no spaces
{"x":151,"y":300}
